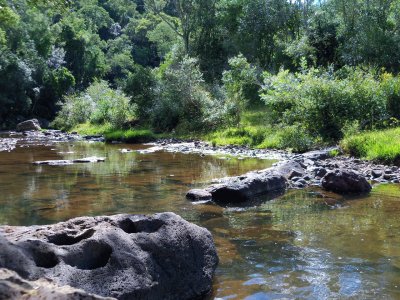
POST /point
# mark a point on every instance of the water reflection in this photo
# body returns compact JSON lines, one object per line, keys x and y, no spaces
{"x":305,"y":244}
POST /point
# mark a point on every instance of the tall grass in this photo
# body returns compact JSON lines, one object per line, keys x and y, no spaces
{"x":380,"y":146}
{"x":112,"y":134}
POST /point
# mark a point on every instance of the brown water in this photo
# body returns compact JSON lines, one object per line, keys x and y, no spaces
{"x":298,"y":246}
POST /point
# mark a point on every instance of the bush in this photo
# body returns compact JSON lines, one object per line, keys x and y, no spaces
{"x":324,"y":102}
{"x":241,"y":83}
{"x":183,"y":100}
{"x":99,"y":104}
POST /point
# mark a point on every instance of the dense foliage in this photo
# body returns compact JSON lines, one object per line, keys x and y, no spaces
{"x":315,"y":68}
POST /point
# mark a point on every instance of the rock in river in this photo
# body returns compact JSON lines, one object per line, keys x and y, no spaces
{"x":122,"y":256}
{"x":29,"y":125}
{"x":345,"y":182}
{"x":238,"y":189}
{"x":62,"y":162}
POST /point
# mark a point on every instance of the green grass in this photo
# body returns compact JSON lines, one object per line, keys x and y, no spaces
{"x":380,"y":146}
{"x":130,"y":135}
{"x":254,"y":131}
{"x":112,"y":134}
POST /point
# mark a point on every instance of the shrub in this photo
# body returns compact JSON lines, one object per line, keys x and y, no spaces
{"x":324,"y":101}
{"x":183,"y":99}
{"x":241,"y":83}
{"x":99,"y":104}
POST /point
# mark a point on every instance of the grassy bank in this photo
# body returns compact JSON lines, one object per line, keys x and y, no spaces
{"x":255,"y":131}
{"x":380,"y":146}
{"x":111,"y":134}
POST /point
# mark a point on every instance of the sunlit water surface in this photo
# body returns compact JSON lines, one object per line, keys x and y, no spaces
{"x":298,"y":246}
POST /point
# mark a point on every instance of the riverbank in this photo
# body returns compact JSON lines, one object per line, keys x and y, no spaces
{"x":379,"y":147}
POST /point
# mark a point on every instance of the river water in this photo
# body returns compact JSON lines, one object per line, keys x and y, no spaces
{"x":306,"y":244}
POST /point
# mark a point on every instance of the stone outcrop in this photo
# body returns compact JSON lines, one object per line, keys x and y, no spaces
{"x":12,"y":286}
{"x":123,"y":256}
{"x":29,"y":125}
{"x":345,"y":182}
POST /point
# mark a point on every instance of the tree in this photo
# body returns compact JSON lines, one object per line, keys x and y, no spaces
{"x":184,"y":24}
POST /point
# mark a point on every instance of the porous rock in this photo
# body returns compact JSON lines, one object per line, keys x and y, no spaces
{"x":29,"y":125}
{"x":12,"y":286}
{"x":345,"y":182}
{"x":122,"y":256}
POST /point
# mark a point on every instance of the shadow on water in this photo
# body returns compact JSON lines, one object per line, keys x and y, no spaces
{"x":305,"y":244}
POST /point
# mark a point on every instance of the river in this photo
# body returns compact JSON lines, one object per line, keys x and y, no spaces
{"x":306,"y":244}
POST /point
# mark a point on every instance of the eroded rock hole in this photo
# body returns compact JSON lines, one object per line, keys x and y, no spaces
{"x":92,"y":255}
{"x":44,"y":258}
{"x":65,"y":239}
{"x":144,"y":225}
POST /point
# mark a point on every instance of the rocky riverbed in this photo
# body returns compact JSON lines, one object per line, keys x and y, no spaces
{"x":340,"y":174}
{"x":9,"y":140}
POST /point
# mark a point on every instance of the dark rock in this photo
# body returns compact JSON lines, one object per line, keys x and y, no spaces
{"x":290,"y":169}
{"x":376,"y":173}
{"x":12,"y":286}
{"x":319,"y":172}
{"x":345,"y":182}
{"x":198,"y":195}
{"x":388,"y":176}
{"x":123,"y":256}
{"x":29,"y":125}
{"x":243,"y":188}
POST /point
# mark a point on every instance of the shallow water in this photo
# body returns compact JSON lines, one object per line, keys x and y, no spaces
{"x":303,"y":245}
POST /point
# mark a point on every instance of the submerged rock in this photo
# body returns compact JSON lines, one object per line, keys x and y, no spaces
{"x":61,"y":162}
{"x":29,"y":125}
{"x":345,"y":182}
{"x":123,"y":256}
{"x":12,"y":286}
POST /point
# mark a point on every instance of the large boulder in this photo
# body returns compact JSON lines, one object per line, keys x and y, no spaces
{"x":345,"y":182}
{"x":12,"y":286}
{"x":245,"y":187}
{"x":123,"y":256}
{"x":29,"y":125}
